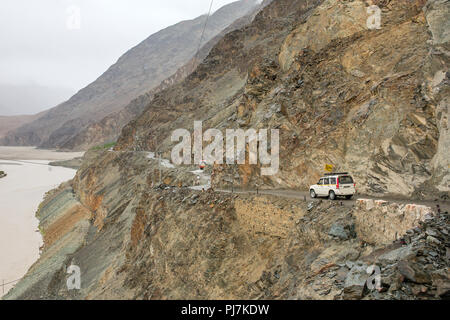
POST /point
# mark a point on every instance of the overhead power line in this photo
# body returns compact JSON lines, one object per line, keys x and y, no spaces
{"x":203,"y":31}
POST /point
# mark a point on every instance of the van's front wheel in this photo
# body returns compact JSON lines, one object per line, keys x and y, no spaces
{"x":313,"y":194}
{"x":332,"y":195}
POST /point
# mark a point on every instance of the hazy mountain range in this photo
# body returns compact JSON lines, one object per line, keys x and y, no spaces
{"x":29,"y":99}
{"x":138,"y":71}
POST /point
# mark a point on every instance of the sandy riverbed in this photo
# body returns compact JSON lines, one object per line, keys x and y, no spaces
{"x":31,"y":153}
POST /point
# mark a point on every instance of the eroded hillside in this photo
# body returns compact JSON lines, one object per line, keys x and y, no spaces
{"x":134,"y":241}
{"x":137,"y":72}
{"x":374,"y":102}
{"x":109,"y":128}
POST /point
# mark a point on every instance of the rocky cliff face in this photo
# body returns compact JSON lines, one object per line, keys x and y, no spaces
{"x":138,"y":71}
{"x":109,"y":128}
{"x":369,"y":101}
{"x":134,"y":241}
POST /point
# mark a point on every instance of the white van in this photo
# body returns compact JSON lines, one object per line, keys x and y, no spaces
{"x":334,"y":185}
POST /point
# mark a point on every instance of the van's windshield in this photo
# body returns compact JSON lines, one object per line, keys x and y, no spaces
{"x":345,"y":180}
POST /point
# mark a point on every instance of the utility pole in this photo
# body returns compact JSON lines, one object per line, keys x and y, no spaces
{"x":160,"y":168}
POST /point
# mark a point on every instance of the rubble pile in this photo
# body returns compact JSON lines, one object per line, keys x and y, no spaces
{"x":414,"y":267}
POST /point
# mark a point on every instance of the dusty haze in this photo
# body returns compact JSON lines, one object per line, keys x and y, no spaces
{"x":43,"y":49}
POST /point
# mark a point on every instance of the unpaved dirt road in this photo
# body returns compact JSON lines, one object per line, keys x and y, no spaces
{"x":304,"y":195}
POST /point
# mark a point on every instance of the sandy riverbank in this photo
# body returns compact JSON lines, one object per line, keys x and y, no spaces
{"x":31,"y":153}
{"x":28,"y":178}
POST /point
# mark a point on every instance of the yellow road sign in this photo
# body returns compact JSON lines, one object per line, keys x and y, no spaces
{"x":329,"y":167}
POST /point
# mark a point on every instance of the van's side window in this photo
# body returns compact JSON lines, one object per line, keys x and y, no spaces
{"x":345,"y":180}
{"x":332,"y":180}
{"x":320,"y":182}
{"x":326,"y":181}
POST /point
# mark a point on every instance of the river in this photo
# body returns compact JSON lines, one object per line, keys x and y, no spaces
{"x":28,"y":178}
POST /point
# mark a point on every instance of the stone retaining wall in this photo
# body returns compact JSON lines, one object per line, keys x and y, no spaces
{"x":381,"y":222}
{"x":258,"y":215}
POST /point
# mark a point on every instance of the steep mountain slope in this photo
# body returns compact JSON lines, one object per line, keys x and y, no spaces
{"x":136,"y":72}
{"x":109,"y":128}
{"x":374,"y":102}
{"x":9,"y":123}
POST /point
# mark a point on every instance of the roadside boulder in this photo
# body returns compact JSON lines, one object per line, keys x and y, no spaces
{"x":342,"y":231}
{"x":355,"y":282}
{"x":396,"y":255}
{"x":441,"y":280}
{"x":413,"y":272}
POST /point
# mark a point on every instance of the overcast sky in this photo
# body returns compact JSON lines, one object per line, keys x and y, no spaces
{"x":42,"y":43}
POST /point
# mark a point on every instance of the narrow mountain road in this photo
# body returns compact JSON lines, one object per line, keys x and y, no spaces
{"x":204,"y":183}
{"x":304,"y":195}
